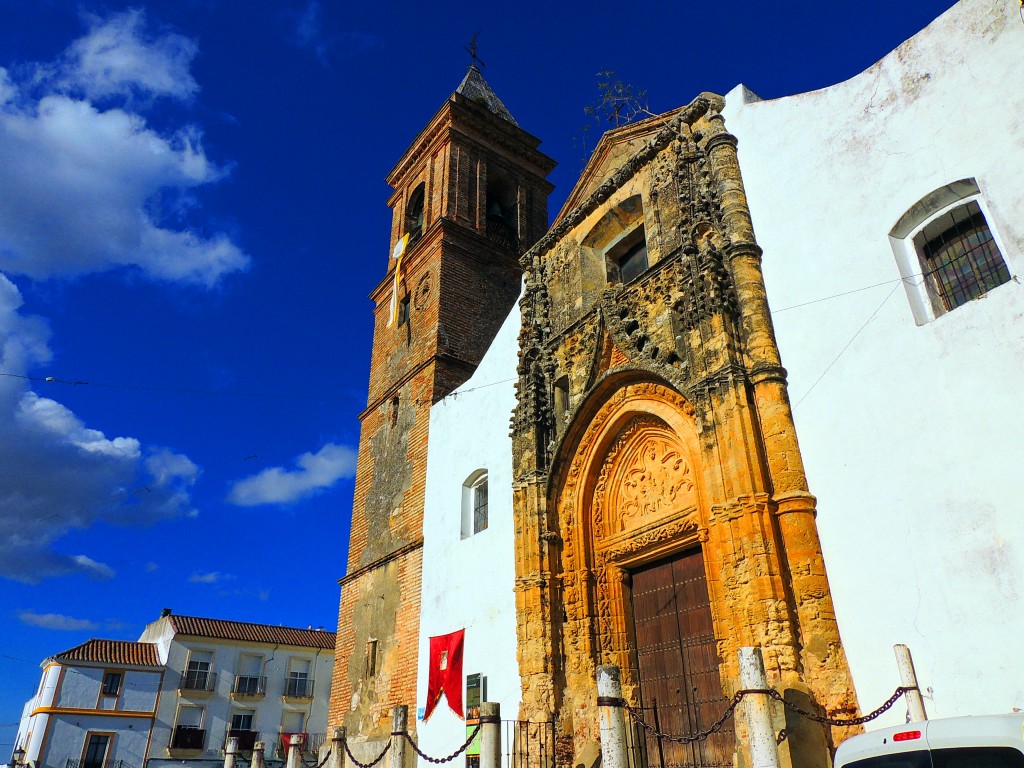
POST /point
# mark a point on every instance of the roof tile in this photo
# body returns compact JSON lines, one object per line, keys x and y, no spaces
{"x":113,"y":652}
{"x":255,"y":633}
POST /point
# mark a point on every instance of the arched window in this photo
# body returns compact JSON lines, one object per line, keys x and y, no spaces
{"x":474,"y":503}
{"x":946,"y":251}
{"x":414,"y":213}
{"x":502,"y":222}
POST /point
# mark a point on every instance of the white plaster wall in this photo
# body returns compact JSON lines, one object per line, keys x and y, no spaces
{"x":911,"y":434}
{"x":68,"y":732}
{"x":469,"y":431}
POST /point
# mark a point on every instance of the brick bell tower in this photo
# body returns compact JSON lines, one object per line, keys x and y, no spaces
{"x":471,"y":194}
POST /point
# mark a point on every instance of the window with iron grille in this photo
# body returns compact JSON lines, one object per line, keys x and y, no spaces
{"x":959,"y":257}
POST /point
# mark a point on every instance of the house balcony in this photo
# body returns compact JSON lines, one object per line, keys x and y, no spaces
{"x":249,"y":687}
{"x":298,"y":688}
{"x":71,"y":763}
{"x":187,"y":738}
{"x":246,"y":739}
{"x":197,"y":682}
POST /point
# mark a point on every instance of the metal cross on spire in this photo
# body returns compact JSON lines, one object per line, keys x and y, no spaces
{"x":471,"y":50}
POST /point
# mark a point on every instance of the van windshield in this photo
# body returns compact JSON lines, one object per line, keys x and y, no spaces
{"x":959,"y":757}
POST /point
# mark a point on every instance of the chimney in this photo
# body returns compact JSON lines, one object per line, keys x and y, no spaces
{"x":165,"y":613}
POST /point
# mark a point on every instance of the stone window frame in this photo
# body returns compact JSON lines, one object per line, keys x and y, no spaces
{"x":471,"y":521}
{"x":906,"y":238}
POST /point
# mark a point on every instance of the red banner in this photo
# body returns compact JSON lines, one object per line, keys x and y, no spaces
{"x":445,"y":676}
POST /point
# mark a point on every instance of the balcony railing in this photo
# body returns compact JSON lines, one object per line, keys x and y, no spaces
{"x":188,"y":737}
{"x":71,"y":763}
{"x":298,"y":687}
{"x":249,"y":685}
{"x":246,"y":739}
{"x":194,"y":680}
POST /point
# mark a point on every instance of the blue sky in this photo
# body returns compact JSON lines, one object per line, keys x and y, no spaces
{"x":192,"y":214}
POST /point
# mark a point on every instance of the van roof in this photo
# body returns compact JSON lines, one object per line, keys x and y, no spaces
{"x":974,"y":731}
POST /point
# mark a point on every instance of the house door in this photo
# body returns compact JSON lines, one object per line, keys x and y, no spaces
{"x":678,"y":661}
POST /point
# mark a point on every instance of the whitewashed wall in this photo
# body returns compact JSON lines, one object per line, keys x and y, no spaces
{"x":468,"y":583}
{"x":912,"y":435}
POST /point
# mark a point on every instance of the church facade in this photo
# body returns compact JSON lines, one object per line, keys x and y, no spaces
{"x":608,"y":470}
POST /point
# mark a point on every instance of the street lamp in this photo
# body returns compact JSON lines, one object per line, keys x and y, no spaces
{"x":18,"y":757}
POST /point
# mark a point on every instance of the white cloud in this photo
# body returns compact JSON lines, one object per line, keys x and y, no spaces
{"x":118,"y":58}
{"x":55,"y":621}
{"x":214,"y":577}
{"x":57,"y":474}
{"x":314,"y":472}
{"x":87,"y":188}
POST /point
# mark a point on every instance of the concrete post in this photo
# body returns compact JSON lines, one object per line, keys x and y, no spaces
{"x":294,"y":757}
{"x":764,"y":752}
{"x":399,"y":720}
{"x":490,"y":734}
{"x":612,"y":717}
{"x":908,"y":679}
{"x":231,"y":752}
{"x":338,"y":749}
{"x":259,"y":754}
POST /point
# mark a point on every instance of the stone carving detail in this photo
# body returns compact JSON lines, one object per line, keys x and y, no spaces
{"x":657,"y":483}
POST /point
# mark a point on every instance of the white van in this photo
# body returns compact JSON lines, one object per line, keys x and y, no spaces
{"x":984,"y":741}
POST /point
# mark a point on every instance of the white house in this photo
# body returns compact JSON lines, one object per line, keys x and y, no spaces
{"x":890,"y":209}
{"x":177,"y":694}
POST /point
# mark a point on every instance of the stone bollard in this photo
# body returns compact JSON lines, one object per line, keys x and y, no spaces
{"x":757,"y":710}
{"x":231,"y":752}
{"x":258,"y":754}
{"x":338,"y":749}
{"x":294,"y":757}
{"x":612,"y":717}
{"x":490,"y":735}
{"x":399,"y":722}
{"x":908,"y":679}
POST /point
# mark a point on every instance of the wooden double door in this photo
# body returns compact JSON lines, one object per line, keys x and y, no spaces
{"x":678,"y":662}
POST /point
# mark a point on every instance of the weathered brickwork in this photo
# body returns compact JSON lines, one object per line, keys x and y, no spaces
{"x":653,"y":418}
{"x":482,"y":183}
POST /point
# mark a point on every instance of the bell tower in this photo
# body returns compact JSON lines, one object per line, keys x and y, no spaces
{"x":470,"y":196}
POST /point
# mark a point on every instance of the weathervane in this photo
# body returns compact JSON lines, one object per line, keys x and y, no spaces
{"x":471,"y":50}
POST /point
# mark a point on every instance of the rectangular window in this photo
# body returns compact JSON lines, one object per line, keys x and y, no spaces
{"x":403,"y":310}
{"x":111,"y":683}
{"x":298,"y":682}
{"x":480,"y":506}
{"x":197,"y":675}
{"x":188,"y":730}
{"x":96,"y":750}
{"x":242,"y":719}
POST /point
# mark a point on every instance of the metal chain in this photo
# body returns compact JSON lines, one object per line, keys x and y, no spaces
{"x":327,"y":757}
{"x":773,"y":694}
{"x":450,"y":757}
{"x":372,"y":762}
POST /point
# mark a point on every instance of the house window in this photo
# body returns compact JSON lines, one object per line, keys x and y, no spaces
{"x":197,"y":676}
{"x":96,"y":745}
{"x":414,"y":213}
{"x":188,"y":730}
{"x":627,"y":259}
{"x":111,"y":683}
{"x":298,"y":683}
{"x":474,"y":503}
{"x":946,"y":251}
{"x":959,"y":257}
{"x":243,"y":719}
{"x":249,"y":680}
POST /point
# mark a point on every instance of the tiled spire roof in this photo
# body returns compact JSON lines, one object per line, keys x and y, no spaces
{"x":475,"y":88}
{"x":113,"y":652}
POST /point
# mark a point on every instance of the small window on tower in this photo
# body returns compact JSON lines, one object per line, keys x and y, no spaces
{"x":403,"y":310}
{"x":414,"y":213}
{"x":371,"y":658}
{"x":627,"y":259}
